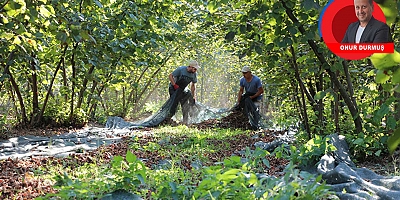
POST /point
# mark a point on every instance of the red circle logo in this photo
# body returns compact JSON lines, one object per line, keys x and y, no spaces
{"x":336,"y":17}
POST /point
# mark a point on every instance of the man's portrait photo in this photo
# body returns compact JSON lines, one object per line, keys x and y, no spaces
{"x":367,"y":29}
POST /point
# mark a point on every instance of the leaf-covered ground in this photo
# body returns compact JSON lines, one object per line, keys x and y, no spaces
{"x":17,"y":180}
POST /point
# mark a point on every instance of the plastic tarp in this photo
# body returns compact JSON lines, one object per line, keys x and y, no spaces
{"x":197,"y":112}
{"x":350,"y":182}
{"x":249,"y":109}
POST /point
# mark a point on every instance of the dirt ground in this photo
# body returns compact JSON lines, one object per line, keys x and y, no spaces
{"x":17,"y":181}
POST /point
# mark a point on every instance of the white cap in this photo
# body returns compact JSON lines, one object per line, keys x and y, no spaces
{"x":246,"y":69}
{"x":194,"y":64}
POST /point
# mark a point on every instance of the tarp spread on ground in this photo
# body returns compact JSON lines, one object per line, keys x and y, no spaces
{"x":197,"y":113}
{"x":345,"y":179}
{"x":86,"y":139}
{"x":350,"y":182}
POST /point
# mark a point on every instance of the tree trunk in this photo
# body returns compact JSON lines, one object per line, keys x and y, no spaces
{"x":64,"y":77}
{"x":39,"y":118}
{"x":84,"y":85}
{"x":10,"y":91}
{"x":4,"y":4}
{"x":320,"y":88}
{"x":92,"y":109}
{"x":148,"y":95}
{"x":397,"y":107}
{"x":16,"y":89}
{"x":71,"y":112}
{"x":35,"y":98}
{"x":148,"y":83}
{"x":303,"y":91}
{"x":336,"y":109}
{"x":92,"y":90}
{"x":349,"y":83}
{"x":19,"y":96}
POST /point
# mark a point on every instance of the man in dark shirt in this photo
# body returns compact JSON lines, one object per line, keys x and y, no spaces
{"x":179,"y":79}
{"x":367,"y":29}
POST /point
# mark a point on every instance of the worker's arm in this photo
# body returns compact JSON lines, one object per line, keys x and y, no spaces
{"x":171,"y":79}
{"x":240,"y":94}
{"x":193,"y":90}
{"x":259,"y":92}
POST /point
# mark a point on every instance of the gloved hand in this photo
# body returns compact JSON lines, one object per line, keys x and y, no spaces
{"x":236,"y":107}
{"x":176,"y":86}
{"x":193,"y":101}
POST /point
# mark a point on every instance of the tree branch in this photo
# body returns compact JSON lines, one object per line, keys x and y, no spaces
{"x":4,"y":4}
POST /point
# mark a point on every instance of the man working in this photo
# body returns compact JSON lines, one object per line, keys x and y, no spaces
{"x":179,"y":79}
{"x":250,"y":101}
{"x":367,"y":29}
{"x":253,"y":86}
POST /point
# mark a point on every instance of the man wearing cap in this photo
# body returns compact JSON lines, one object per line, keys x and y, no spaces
{"x":252,"y":85}
{"x":250,"y":101}
{"x":179,"y":79}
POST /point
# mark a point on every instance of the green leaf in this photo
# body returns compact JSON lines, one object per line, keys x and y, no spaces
{"x":141,"y":178}
{"x":266,"y":163}
{"x":216,"y":194}
{"x":383,"y":110}
{"x":292,"y":30}
{"x":98,"y":4}
{"x":21,"y":29}
{"x":16,"y":5}
{"x":230,"y":36}
{"x":17,"y":40}
{"x":4,"y":19}
{"x":85,"y":35}
{"x":230,"y":174}
{"x":232,"y":160}
{"x":385,"y":60}
{"x":253,"y":179}
{"x":371,"y":73}
{"x":62,"y":36}
{"x":258,"y":49}
{"x":288,"y":41}
{"x":387,"y":87}
{"x":319,"y":178}
{"x":310,"y":35}
{"x":130,"y":157}
{"x":173,"y":186}
{"x":77,"y":37}
{"x":212,"y":7}
{"x":378,"y":115}
{"x":390,"y":9}
{"x":117,"y":161}
{"x":359,"y":141}
{"x":242,"y":29}
{"x":43,"y":11}
{"x":290,"y":5}
{"x":381,"y":76}
{"x":397,"y":89}
{"x":269,"y":47}
{"x":394,"y":141}
{"x":320,"y":95}
{"x":278,"y":154}
{"x":391,"y":122}
{"x":396,"y":76}
{"x":7,"y":36}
